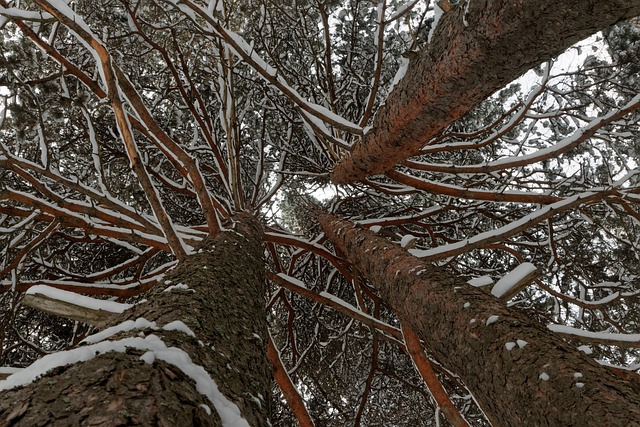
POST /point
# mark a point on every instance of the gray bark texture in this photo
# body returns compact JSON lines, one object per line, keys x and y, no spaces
{"x":542,"y":381}
{"x":465,"y":64}
{"x":225,"y":308}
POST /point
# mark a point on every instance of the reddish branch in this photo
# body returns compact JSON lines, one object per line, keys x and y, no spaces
{"x":423,"y":366}
{"x":465,"y":64}
{"x":296,"y":404}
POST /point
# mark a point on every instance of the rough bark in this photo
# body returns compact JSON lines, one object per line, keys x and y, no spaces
{"x":224,"y":307}
{"x":465,"y":64}
{"x":541,"y":381}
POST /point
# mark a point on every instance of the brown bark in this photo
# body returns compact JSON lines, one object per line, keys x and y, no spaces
{"x":465,"y":64}
{"x":224,"y":307}
{"x":541,"y":381}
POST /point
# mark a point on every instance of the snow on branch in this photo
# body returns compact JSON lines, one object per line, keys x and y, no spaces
{"x":606,"y":338}
{"x":508,"y":230}
{"x":245,"y":51}
{"x":514,"y":281}
{"x":72,"y":305}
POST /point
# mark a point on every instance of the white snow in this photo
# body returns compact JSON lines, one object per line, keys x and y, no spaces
{"x":375,"y":228}
{"x":9,"y":370}
{"x":77,"y":299}
{"x":579,"y":385}
{"x":407,"y":239}
{"x":402,"y":70}
{"x":492,"y":319}
{"x":179,"y":287}
{"x":505,"y":231}
{"x":467,"y":305}
{"x":438,"y":12}
{"x":206,"y":408}
{"x":228,"y":411}
{"x":156,"y":349}
{"x":13,"y":12}
{"x":577,"y":375}
{"x":405,"y":218}
{"x":293,"y":280}
{"x":466,"y":13}
{"x":241,"y":48}
{"x":544,"y":376}
{"x":139,"y":323}
{"x":512,"y":278}
{"x":585,"y":349}
{"x":568,"y":330}
{"x":178,"y":325}
{"x":79,"y":354}
{"x":511,"y":345}
{"x":402,"y":9}
{"x":479,"y":282}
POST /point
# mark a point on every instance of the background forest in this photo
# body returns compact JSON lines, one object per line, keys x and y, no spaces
{"x":130,"y":130}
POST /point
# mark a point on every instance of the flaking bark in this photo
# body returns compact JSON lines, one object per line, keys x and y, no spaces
{"x":224,"y":307}
{"x":456,"y":322}
{"x":465,"y":64}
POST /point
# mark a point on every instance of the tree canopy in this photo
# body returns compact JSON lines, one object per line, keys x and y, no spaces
{"x":495,"y":140}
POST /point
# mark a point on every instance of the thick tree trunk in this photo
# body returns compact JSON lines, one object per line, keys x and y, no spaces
{"x":151,"y":385}
{"x":466,"y":63}
{"x":519,"y":372}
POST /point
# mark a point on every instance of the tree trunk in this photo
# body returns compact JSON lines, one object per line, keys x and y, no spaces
{"x":465,"y":64}
{"x":148,"y":384}
{"x":519,"y":372}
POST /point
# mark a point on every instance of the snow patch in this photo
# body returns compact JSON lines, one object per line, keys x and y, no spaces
{"x":579,"y":385}
{"x":402,"y":70}
{"x":438,"y":12}
{"x":492,"y":319}
{"x":407,"y":240}
{"x":292,"y":280}
{"x":467,"y":305}
{"x":510,"y":345}
{"x":521,"y":343}
{"x":8,"y":370}
{"x":544,"y":376}
{"x":585,"y":349}
{"x":139,"y":323}
{"x":178,"y":287}
{"x":228,"y":411}
{"x":578,"y":375}
{"x":178,"y":325}
{"x":375,"y":228}
{"x":479,"y":282}
{"x":511,"y":279}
